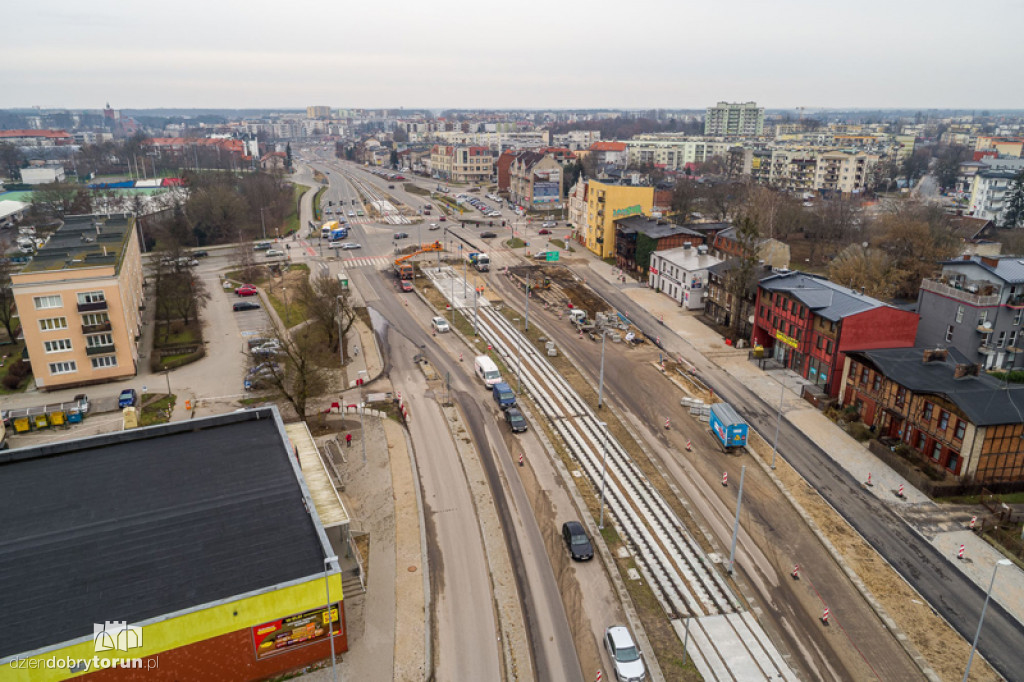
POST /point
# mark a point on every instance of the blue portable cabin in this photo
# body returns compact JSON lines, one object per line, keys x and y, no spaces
{"x":339,"y":233}
{"x":727,"y":426}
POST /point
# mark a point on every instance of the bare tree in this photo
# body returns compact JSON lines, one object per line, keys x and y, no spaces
{"x":740,"y":278}
{"x":724,"y":198}
{"x":301,"y":377}
{"x":865,"y":269}
{"x":685,"y":197}
{"x":328,"y":307}
{"x":916,"y":238}
{"x":7,"y":308}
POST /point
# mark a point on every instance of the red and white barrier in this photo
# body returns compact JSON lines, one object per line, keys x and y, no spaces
{"x":824,"y":616}
{"x":960,"y":553}
{"x":796,"y":571}
{"x":725,"y":478}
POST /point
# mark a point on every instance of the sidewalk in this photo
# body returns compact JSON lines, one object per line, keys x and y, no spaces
{"x":842,"y":448}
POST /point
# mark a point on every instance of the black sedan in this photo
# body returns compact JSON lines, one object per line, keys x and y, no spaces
{"x":245,"y":305}
{"x":515,"y":420}
{"x":576,"y":541}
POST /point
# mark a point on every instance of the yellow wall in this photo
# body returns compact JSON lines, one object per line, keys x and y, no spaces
{"x":601,"y":216}
{"x":193,"y":627}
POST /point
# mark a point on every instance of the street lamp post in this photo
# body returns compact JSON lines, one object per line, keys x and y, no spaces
{"x":263,"y":221}
{"x":604,"y":461}
{"x":981,"y":620}
{"x":330,"y":614}
{"x":341,"y":343}
{"x":600,"y":383}
{"x":284,"y":293}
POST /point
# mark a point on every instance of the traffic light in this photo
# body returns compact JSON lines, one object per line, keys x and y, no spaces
{"x":503,"y":223}
{"x":490,"y":223}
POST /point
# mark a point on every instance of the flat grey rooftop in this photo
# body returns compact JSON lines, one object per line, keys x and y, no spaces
{"x":139,"y":524}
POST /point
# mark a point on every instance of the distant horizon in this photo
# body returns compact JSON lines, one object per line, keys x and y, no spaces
{"x":456,"y":54}
{"x":976,"y":111}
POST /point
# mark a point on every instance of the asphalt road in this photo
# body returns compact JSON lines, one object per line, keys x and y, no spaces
{"x":954,"y":596}
{"x":554,"y":652}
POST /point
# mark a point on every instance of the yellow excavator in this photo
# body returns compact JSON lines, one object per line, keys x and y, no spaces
{"x":405,"y":270}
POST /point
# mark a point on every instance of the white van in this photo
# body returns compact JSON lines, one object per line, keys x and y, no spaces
{"x":487,"y":370}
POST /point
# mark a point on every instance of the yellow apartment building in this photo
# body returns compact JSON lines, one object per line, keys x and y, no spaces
{"x":79,"y":300}
{"x":606,"y":203}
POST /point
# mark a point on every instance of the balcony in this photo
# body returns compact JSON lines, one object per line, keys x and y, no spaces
{"x":95,"y":328}
{"x":92,"y":307}
{"x":987,"y":349}
{"x":959,"y":291}
{"x":99,"y":350}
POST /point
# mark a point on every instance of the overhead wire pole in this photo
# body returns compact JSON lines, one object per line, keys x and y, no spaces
{"x":330,"y":615}
{"x":736,"y":523}
{"x":527,"y":327}
{"x":600,"y":383}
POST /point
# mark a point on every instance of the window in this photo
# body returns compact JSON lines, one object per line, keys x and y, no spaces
{"x":104,"y":361}
{"x":63,"y":367}
{"x":901,"y":396}
{"x":959,"y":314}
{"x":51,"y":323}
{"x":954,"y":459}
{"x":1017,"y":316}
{"x":57,"y":345}
{"x":943,"y":420}
{"x":1012,"y":340}
{"x":91,"y":297}
{"x":877,"y":383}
{"x":984,"y":318}
{"x":819,"y":344}
{"x":949,"y":333}
{"x":921,"y":441}
{"x":99,"y":340}
{"x":926,"y":412}
{"x":828,"y":347}
{"x":44,"y":302}
{"x":95,"y":318}
{"x":864,"y":376}
{"x":961,"y":428}
{"x":936,"y":451}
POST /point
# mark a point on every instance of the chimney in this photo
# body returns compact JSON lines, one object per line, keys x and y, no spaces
{"x":991,"y":262}
{"x":966,"y":370}
{"x":936,"y":355}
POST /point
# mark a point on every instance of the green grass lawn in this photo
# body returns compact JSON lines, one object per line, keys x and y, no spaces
{"x":13,"y":353}
{"x":415,"y":189}
{"x":156,"y":412}
{"x":179,"y":335}
{"x":515,"y":243}
{"x":291,"y":315}
{"x":291,"y":221}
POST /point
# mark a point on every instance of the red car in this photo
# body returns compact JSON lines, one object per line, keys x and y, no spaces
{"x":246,"y":290}
{"x":405,"y":285}
{"x":544,"y":231}
{"x":442,"y":219}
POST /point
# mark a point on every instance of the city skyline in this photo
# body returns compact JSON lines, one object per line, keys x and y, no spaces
{"x":450,"y":54}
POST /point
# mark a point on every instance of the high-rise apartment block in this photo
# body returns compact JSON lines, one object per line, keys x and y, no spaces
{"x":726,"y":118}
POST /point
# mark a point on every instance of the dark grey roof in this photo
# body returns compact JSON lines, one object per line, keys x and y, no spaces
{"x":137,"y":524}
{"x":984,"y":399}
{"x":1010,"y":269}
{"x":825,"y":298}
{"x":655,"y":228}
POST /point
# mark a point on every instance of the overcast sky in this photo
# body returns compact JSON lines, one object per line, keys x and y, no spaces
{"x":529,"y":53}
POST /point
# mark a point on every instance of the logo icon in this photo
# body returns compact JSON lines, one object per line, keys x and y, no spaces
{"x":116,"y":635}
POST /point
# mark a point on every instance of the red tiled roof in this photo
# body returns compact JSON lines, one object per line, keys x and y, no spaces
{"x":34,"y":133}
{"x":608,"y":147}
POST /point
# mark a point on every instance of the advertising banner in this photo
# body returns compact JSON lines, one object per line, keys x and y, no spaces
{"x":545,"y":192}
{"x":296,"y":630}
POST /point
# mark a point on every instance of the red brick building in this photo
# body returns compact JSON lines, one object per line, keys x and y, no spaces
{"x":941,"y":406}
{"x":807,"y":324}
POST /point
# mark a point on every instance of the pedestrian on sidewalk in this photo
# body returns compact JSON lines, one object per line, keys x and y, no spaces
{"x":348,"y":439}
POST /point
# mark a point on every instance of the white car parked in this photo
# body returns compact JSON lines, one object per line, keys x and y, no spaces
{"x":440,"y":325}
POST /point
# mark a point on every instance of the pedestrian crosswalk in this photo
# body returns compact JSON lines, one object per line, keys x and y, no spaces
{"x":377,"y":262}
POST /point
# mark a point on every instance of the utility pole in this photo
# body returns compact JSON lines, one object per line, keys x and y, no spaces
{"x":263,"y":221}
{"x":778,"y":422}
{"x":527,"y":301}
{"x":600,"y":383}
{"x":736,"y":523}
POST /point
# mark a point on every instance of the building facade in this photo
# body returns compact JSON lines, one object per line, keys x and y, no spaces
{"x":674,"y":152}
{"x":577,"y":213}
{"x":723,"y":305}
{"x":535,"y":181}
{"x":943,"y":407}
{"x":727,"y":118}
{"x":646,"y":235}
{"x":682,"y":274}
{"x":79,"y":300}
{"x":976,"y":305}
{"x":606,"y":203}
{"x":807,"y":323}
{"x":471,"y":165}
